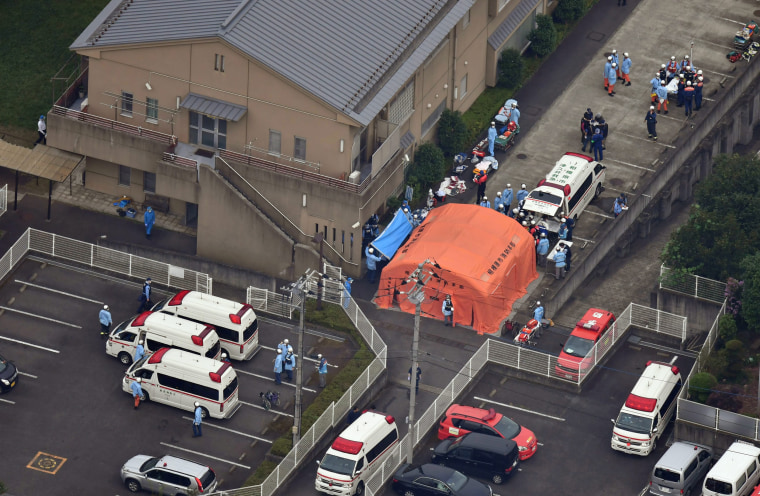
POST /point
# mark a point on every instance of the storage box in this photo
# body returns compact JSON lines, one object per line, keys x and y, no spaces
{"x":131,"y":213}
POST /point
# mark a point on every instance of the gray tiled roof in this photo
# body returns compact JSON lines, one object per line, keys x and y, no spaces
{"x":353,"y":54}
{"x":514,"y":19}
{"x":213,"y":107}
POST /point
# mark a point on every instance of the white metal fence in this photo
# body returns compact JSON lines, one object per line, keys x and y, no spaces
{"x":3,"y":199}
{"x":689,"y":284}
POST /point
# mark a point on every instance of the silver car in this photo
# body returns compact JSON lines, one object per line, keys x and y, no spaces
{"x":167,"y":475}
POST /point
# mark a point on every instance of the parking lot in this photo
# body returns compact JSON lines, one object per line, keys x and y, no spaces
{"x":68,"y":417}
{"x":573,"y":430}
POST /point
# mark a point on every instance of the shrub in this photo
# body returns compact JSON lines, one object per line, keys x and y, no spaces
{"x":261,"y":473}
{"x":543,"y":38}
{"x":717,"y":364}
{"x":734,"y":353}
{"x":568,"y":11}
{"x":429,"y":165}
{"x":393,"y":203}
{"x":452,"y":133}
{"x":478,"y":117}
{"x":725,"y":400}
{"x":700,"y":386}
{"x":727,"y":330}
{"x":510,"y":69}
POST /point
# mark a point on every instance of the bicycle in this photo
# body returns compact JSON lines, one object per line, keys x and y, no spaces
{"x":269,"y":399}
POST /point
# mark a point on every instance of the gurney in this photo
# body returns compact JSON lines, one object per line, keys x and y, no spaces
{"x":507,"y":140}
{"x":502,"y":118}
{"x":529,"y":334}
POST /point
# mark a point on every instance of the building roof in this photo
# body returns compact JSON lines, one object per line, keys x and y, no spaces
{"x":514,"y":19}
{"x":214,"y":107}
{"x":353,"y":55}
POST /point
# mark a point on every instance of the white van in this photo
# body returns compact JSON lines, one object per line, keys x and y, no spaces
{"x":158,"y":330}
{"x":356,"y":454}
{"x":736,"y":473}
{"x":179,"y":379}
{"x":575,"y":180}
{"x":648,"y":409}
{"x":235,"y":323}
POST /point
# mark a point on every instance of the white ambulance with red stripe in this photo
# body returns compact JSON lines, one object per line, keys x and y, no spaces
{"x":356,"y":454}
{"x":648,"y":409}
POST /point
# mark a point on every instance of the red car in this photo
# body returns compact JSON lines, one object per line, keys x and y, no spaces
{"x":587,"y":332}
{"x":460,"y":420}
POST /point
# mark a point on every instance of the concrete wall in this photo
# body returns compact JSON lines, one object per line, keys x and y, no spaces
{"x":720,"y":441}
{"x":700,"y":313}
{"x":716,"y":128}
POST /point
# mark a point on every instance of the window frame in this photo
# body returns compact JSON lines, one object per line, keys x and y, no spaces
{"x":463,"y":87}
{"x":127,"y":104}
{"x":149,"y":182}
{"x":296,"y":155}
{"x":466,"y":19}
{"x":151,"y":107}
{"x":196,"y":131}
{"x":219,"y":62}
{"x":273,"y":133}
{"x":125,"y":171}
{"x":500,"y":4}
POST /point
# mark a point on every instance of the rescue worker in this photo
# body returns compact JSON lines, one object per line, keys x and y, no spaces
{"x":607,"y":67}
{"x":612,"y":79}
{"x":498,"y":202}
{"x":651,"y":120}
{"x":485,"y":202}
{"x":542,"y":250}
{"x":672,"y":68}
{"x":506,"y":197}
{"x":416,"y":221}
{"x":491,"y":138}
{"x":585,"y":124}
{"x":448,"y":311}
{"x":513,"y":213}
{"x":522,"y":194}
{"x":570,"y":222}
{"x":283,"y":346}
{"x":514,"y":116}
{"x":347,"y":292}
{"x":481,"y":181}
{"x":568,"y":255}
{"x":684,"y":62}
{"x":616,"y":63}
{"x":501,"y":209}
{"x":278,"y":367}
{"x":562,"y":231}
{"x":150,"y":219}
{"x":655,"y":82}
{"x":698,"y":93}
{"x":681,"y":88}
{"x":596,"y":145}
{"x":602,"y":125}
{"x":105,"y":321}
{"x":137,"y":392}
{"x":663,"y":75}
{"x":662,"y":98}
{"x":538,"y":312}
{"x":372,"y":261}
{"x":139,"y":351}
{"x":197,"y":420}
{"x":322,"y":370}
{"x":625,"y":69}
{"x":688,"y":98}
{"x":289,"y":363}
{"x":559,"y":263}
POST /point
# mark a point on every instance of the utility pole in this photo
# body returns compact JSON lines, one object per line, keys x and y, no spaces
{"x":320,"y":238}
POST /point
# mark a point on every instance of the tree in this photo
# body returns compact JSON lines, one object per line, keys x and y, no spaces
{"x":429,"y":166}
{"x":732,"y":187}
{"x":750,"y":302}
{"x":543,"y":37}
{"x":700,"y":386}
{"x":568,"y":11}
{"x":452,"y":132}
{"x":510,"y":69}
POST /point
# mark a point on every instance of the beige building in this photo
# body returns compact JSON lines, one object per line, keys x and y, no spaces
{"x":265,"y":122}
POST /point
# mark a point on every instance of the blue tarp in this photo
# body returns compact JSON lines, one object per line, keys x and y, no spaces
{"x":393,"y":236}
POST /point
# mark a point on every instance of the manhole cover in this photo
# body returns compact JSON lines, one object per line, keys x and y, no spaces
{"x":532,"y":110}
{"x":46,"y":463}
{"x":615,"y":181}
{"x":596,"y":36}
{"x":522,"y":156}
{"x":756,"y":13}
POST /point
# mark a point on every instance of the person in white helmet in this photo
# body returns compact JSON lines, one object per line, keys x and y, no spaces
{"x":506,"y":197}
{"x":607,"y":67}
{"x":698,"y":91}
{"x":625,"y":69}
{"x":542,"y":249}
{"x":322,"y":370}
{"x":538,"y":312}
{"x":651,"y":120}
{"x":105,"y":320}
{"x":197,"y":420}
{"x":522,"y":194}
{"x":498,"y":201}
{"x":278,"y":366}
{"x":139,"y":350}
{"x":372,"y":260}
{"x":137,"y":392}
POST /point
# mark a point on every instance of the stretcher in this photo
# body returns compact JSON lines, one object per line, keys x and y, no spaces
{"x":529,"y":334}
{"x":507,"y":140}
{"x":505,"y":112}
{"x":486,"y":165}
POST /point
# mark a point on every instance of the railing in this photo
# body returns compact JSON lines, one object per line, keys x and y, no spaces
{"x":692,"y":285}
{"x":282,"y":156}
{"x":288,"y":170}
{"x":121,"y":127}
{"x":177,"y":160}
{"x":386,"y":151}
{"x":3,"y":199}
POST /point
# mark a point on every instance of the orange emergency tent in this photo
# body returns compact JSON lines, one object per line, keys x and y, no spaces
{"x":482,"y":258}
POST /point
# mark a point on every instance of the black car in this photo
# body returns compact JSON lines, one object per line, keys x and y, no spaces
{"x":436,"y":480}
{"x":479,"y":455}
{"x":8,"y":375}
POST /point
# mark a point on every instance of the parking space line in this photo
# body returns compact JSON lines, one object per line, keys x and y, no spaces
{"x":253,"y":405}
{"x":29,"y":314}
{"x":204,"y":454}
{"x":642,"y":139}
{"x":57,"y":291}
{"x":8,"y":401}
{"x":560,"y":419}
{"x":206,"y":424}
{"x":600,"y":215}
{"x":726,"y":47}
{"x":29,"y":344}
{"x":631,"y":165}
{"x":272,"y":380}
{"x":305,"y":358}
{"x":308,"y":331}
{"x":27,"y":375}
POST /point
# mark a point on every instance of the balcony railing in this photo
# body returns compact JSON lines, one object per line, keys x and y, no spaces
{"x":177,"y":160}
{"x":115,"y":125}
{"x":295,"y":172}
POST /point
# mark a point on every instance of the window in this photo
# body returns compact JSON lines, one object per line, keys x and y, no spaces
{"x":463,"y":87}
{"x":230,"y":389}
{"x":501,"y":4}
{"x":275,"y":142}
{"x":671,"y":399}
{"x":464,"y":453}
{"x":125,"y":174}
{"x":151,"y":110}
{"x":579,"y":194}
{"x":691,"y":468}
{"x":433,"y":118}
{"x":188,"y":387}
{"x":380,"y":447}
{"x":219,"y":62}
{"x":208,"y":131}
{"x":127,"y":99}
{"x":403,"y":105}
{"x":299,"y":151}
{"x":466,"y":20}
{"x":149,"y":182}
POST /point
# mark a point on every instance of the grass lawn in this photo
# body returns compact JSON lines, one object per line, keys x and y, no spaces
{"x":36,"y":38}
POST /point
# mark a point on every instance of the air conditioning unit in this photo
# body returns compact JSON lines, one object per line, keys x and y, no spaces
{"x":353,"y":178}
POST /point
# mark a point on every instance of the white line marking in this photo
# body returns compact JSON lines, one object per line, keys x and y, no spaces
{"x":8,"y":401}
{"x":540,"y":444}
{"x":29,"y":314}
{"x":253,"y":405}
{"x":307,"y":331}
{"x":560,"y":419}
{"x":643,"y":139}
{"x":27,"y":375}
{"x":643,"y":491}
{"x":673,"y":360}
{"x":727,"y":19}
{"x":231,"y":430}
{"x":717,"y":44}
{"x":632,"y":165}
{"x":600,"y":215}
{"x":57,"y":291}
{"x":204,"y":454}
{"x":719,"y":74}
{"x":29,"y":344}
{"x":272,"y":380}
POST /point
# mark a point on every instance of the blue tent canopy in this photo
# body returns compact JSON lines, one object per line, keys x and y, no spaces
{"x":393,"y":236}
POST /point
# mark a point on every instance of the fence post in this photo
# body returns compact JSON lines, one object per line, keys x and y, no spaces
{"x":657,"y":329}
{"x":717,"y":418}
{"x":696,"y":286}
{"x":53,"y":244}
{"x":519,"y":349}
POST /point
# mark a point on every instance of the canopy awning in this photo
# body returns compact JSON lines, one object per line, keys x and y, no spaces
{"x":41,"y":161}
{"x":213,"y":107}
